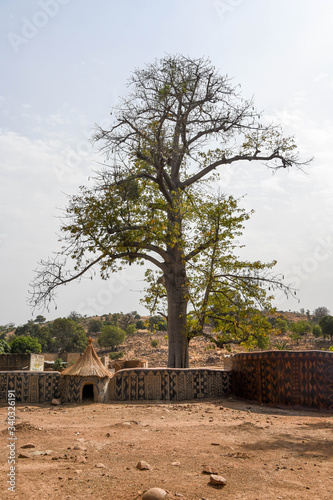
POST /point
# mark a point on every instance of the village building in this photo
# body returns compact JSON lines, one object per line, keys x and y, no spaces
{"x":87,"y":379}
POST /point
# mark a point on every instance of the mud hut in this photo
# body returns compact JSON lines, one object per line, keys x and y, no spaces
{"x":87,"y":379}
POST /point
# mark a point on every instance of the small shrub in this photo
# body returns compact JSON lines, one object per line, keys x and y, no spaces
{"x":58,"y":365}
{"x":154,"y":342}
{"x":166,"y":337}
{"x":116,"y":355}
{"x":316,"y":331}
{"x":131,"y":329}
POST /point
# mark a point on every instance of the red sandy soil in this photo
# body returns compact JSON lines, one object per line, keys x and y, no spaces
{"x":263,"y":453}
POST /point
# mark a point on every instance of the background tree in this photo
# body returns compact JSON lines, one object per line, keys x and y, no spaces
{"x":24,"y":344}
{"x":41,"y":333}
{"x":4,"y":347}
{"x":94,"y":326}
{"x":111,"y":336}
{"x":40,"y":319}
{"x":326,"y":325}
{"x":180,"y":122}
{"x":69,"y":336}
{"x":301,"y":327}
{"x":319,"y":313}
{"x":316,"y":331}
{"x":73,"y":315}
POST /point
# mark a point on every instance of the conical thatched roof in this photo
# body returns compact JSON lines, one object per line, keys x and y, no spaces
{"x":88,"y":365}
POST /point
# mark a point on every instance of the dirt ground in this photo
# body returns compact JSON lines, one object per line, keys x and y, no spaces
{"x":262,"y":452}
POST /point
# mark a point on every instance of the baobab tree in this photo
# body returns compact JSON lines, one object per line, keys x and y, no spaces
{"x":154,"y":202}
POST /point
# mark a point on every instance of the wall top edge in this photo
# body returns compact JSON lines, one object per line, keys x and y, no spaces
{"x":281,"y":353}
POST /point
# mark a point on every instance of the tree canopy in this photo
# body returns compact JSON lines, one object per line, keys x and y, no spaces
{"x":156,"y":202}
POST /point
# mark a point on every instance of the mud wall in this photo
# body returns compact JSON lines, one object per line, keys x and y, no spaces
{"x":169,"y":384}
{"x":30,"y":387}
{"x":15,"y":361}
{"x":301,"y":379}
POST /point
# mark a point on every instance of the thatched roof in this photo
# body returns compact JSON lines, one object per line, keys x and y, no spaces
{"x":88,"y":365}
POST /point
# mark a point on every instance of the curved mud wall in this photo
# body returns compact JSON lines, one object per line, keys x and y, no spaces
{"x":302,"y":379}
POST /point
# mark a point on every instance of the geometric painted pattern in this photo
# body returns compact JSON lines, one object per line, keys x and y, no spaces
{"x":169,"y":384}
{"x":301,"y":379}
{"x":72,"y":385}
{"x":30,"y":387}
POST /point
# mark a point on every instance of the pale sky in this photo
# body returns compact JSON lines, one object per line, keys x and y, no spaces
{"x":64,"y":64}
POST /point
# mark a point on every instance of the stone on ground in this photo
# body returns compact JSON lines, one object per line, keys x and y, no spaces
{"x":154,"y":494}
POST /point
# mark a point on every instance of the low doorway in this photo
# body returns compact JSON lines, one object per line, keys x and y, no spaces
{"x":88,"y":392}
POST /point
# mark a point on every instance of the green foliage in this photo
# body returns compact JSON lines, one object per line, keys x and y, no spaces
{"x":116,"y":355}
{"x":4,"y":347}
{"x":319,"y":313}
{"x":74,"y":316}
{"x":69,"y":336}
{"x":282,"y":325}
{"x":123,"y":320}
{"x":44,"y":337}
{"x":58,"y":365}
{"x":131,"y":329}
{"x":180,"y":123}
{"x":140,"y":325}
{"x":296,"y":337}
{"x":94,"y":326}
{"x":40,"y":319}
{"x":326,"y":325}
{"x":301,"y":327}
{"x":41,"y":333}
{"x":154,"y":342}
{"x":24,"y":344}
{"x":316,"y":331}
{"x":281,"y":346}
{"x":330,"y":348}
{"x":111,"y":336}
{"x":157,"y":324}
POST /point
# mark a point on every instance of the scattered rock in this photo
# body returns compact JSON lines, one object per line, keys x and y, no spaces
{"x":175,"y":463}
{"x":217,"y":480}
{"x":28,"y":445}
{"x":100,"y":466}
{"x":78,"y":447}
{"x":154,"y":494}
{"x":207,"y":469}
{"x":56,"y":402}
{"x":142,"y":465}
{"x":43,"y":453}
{"x":81,"y":460}
{"x":24,"y":455}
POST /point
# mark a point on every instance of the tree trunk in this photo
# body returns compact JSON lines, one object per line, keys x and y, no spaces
{"x":176,"y":287}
